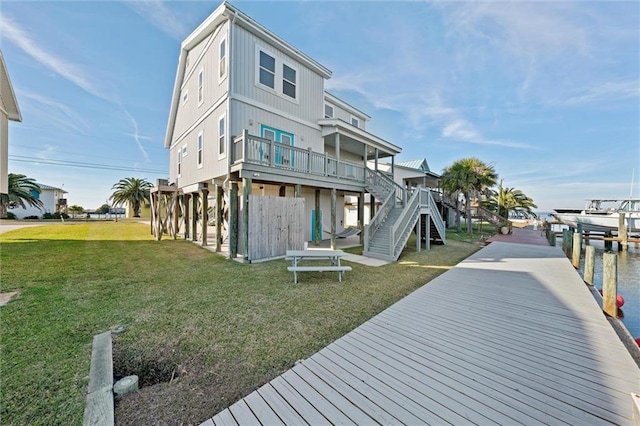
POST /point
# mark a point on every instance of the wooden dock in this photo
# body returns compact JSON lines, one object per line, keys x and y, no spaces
{"x":509,"y":336}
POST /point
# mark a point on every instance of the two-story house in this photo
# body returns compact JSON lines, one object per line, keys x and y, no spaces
{"x":251,"y":124}
{"x":8,"y":111}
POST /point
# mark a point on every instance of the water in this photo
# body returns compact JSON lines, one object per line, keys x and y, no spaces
{"x":628,"y":277}
{"x":628,"y":282}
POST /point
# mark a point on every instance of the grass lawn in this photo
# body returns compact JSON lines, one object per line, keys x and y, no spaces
{"x":203,"y":331}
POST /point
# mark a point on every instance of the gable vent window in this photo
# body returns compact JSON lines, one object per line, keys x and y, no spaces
{"x":328,"y":111}
{"x":200,"y":156}
{"x":267,"y":70}
{"x":223,"y":59}
{"x":288,"y":81}
{"x":355,"y":122}
{"x":200,"y":86}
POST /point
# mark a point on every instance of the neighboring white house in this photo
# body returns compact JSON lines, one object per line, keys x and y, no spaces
{"x":53,"y":201}
{"x":9,"y":110}
{"x":250,"y":118}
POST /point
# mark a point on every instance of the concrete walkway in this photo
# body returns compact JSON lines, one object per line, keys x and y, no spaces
{"x":511,"y":335}
{"x":526,"y":235}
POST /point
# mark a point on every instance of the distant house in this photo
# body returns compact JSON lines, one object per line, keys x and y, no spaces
{"x":8,"y":111}
{"x":252,"y":128}
{"x":53,"y":201}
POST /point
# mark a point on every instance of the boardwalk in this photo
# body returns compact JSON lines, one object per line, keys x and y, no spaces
{"x":509,"y":336}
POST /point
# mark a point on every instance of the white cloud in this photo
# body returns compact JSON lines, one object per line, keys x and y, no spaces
{"x":137,"y":137}
{"x":55,"y":113}
{"x":608,"y":91}
{"x":157,"y":13}
{"x":71,"y":72}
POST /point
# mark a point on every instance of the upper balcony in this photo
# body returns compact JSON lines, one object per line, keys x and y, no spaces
{"x":262,"y":159}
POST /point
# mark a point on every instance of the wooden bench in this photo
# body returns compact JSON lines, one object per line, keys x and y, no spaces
{"x":338,"y":269}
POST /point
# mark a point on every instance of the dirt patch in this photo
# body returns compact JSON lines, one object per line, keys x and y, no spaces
{"x":6,"y":297}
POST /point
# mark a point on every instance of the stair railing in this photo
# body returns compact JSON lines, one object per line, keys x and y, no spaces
{"x":400,"y":231}
{"x":377,"y":220}
{"x":492,"y":217}
{"x":436,"y":219}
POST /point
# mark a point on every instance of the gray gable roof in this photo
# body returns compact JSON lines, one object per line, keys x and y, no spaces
{"x":416,"y":164}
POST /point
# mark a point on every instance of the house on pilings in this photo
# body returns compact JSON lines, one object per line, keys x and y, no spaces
{"x":262,"y":157}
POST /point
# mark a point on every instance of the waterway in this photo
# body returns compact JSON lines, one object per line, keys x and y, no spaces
{"x":628,"y":281}
{"x":628,"y":277}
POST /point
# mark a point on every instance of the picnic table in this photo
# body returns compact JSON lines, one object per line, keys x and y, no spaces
{"x":321,"y":254}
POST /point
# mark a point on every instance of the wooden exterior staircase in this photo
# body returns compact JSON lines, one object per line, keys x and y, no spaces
{"x":390,"y":228}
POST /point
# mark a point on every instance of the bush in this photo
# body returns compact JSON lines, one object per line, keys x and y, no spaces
{"x":11,"y":216}
{"x":32,"y":217}
{"x":55,"y":215}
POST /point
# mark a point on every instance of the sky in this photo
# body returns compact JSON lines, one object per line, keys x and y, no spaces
{"x":548,"y":92}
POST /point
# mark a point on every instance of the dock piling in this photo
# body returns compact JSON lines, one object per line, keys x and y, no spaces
{"x":610,"y":284}
{"x":589,"y":264}
{"x":576,"y":250}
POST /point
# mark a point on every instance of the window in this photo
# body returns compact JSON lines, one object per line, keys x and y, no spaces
{"x":222,"y":63}
{"x":200,"y":156}
{"x":288,"y":81}
{"x":267,"y":70}
{"x":355,"y":122}
{"x":179,"y":164}
{"x":221,"y":136}
{"x":185,"y":97}
{"x":328,"y":111}
{"x":201,"y":86}
{"x":184,"y":151}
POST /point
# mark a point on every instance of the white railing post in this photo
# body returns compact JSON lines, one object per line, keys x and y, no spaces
{"x":310,"y":159}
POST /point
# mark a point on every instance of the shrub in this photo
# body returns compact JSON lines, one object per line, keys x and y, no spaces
{"x":32,"y":217}
{"x":11,"y":216}
{"x":55,"y":215}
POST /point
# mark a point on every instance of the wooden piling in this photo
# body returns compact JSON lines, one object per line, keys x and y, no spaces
{"x":333,"y":218}
{"x":219,"y":218}
{"x":610,"y":284}
{"x":623,"y":242}
{"x":204,"y":205}
{"x":589,"y":264}
{"x":233,"y":220}
{"x":246,"y":192}
{"x":608,"y":242}
{"x":576,"y":250}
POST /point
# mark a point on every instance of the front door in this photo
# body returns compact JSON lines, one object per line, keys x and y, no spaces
{"x":283,"y":156}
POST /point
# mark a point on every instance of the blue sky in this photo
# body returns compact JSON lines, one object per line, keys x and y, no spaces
{"x":548,"y":92}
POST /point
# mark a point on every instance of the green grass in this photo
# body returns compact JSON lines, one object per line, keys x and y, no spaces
{"x":220,"y":328}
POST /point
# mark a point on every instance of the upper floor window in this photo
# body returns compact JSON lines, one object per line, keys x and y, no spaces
{"x":201,"y":86}
{"x":355,"y":122}
{"x":200,"y":148}
{"x":267,"y":70}
{"x":288,"y":81}
{"x":179,"y":164}
{"x":185,"y":96}
{"x":221,"y":136}
{"x":184,"y":151}
{"x":328,"y":111}
{"x":222,"y":63}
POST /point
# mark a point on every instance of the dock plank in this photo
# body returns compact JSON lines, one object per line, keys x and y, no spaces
{"x":511,"y":335}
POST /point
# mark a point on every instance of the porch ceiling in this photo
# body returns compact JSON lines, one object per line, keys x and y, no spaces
{"x":352,"y":139}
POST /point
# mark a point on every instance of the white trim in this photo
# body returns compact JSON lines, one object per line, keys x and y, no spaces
{"x":295,"y":83}
{"x":184,"y":150}
{"x":201,"y":88}
{"x":342,"y":104}
{"x":200,"y":149}
{"x":199,"y":58}
{"x":258,"y":68}
{"x":222,"y":143}
{"x":223,"y":75}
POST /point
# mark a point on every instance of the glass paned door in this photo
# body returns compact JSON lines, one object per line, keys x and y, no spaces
{"x":283,"y":155}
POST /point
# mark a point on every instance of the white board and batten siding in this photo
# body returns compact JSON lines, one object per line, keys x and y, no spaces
{"x":275,"y":226}
{"x":193,"y":116}
{"x":299,"y":116}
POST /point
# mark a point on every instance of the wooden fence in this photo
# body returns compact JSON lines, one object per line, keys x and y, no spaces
{"x":276,"y":224}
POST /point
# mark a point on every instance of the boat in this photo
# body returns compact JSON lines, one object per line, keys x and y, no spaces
{"x":603,"y":215}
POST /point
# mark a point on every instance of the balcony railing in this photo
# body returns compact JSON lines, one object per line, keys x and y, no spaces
{"x":251,"y":149}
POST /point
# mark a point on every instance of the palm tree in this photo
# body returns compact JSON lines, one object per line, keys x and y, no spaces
{"x":133,"y":191}
{"x":22,"y":191}
{"x":505,"y":200}
{"x":76,"y":209}
{"x":471,"y":177}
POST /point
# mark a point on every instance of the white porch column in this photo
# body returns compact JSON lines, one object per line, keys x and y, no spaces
{"x":338,"y":146}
